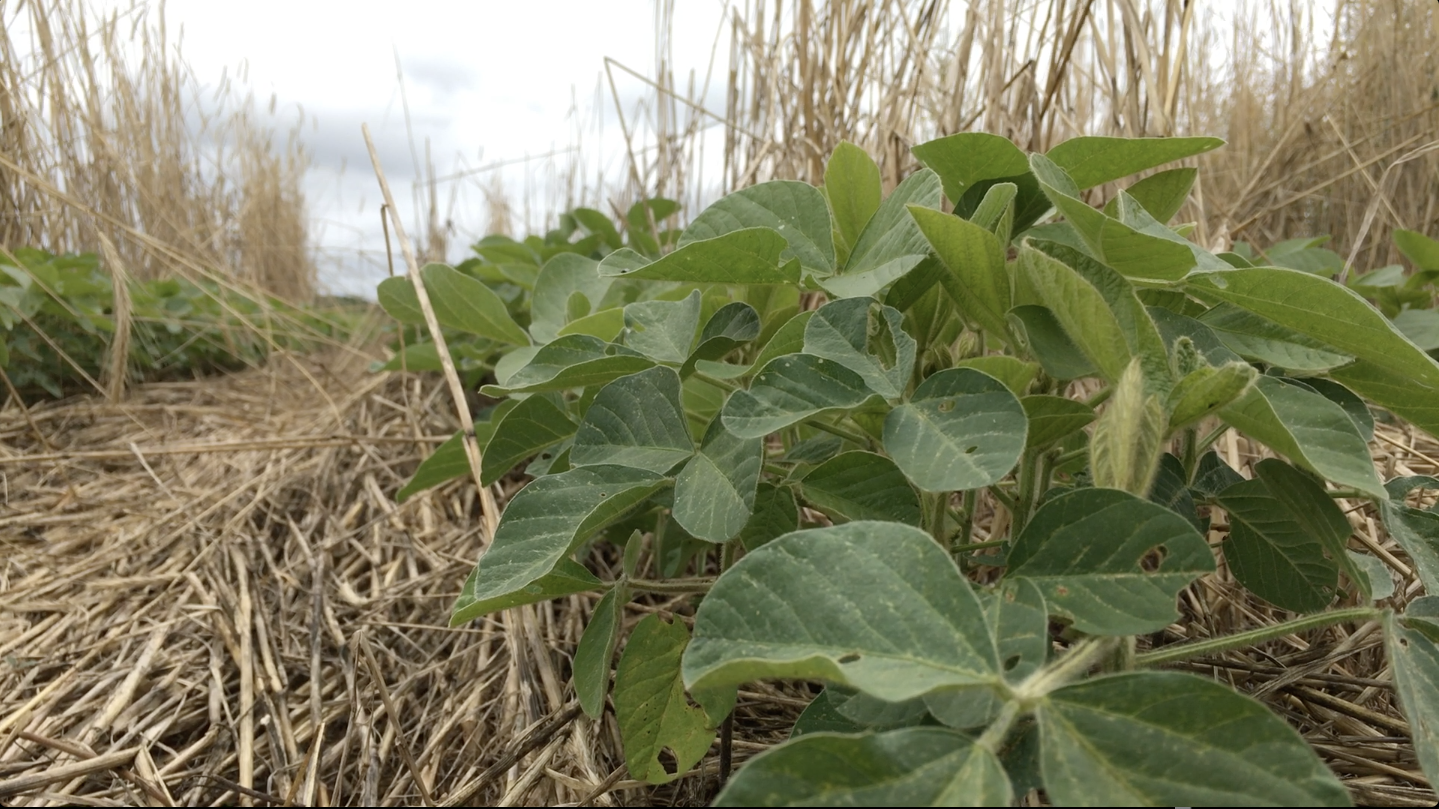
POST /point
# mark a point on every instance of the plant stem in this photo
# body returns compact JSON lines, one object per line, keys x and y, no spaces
{"x":970,"y":501}
{"x":1004,"y":499}
{"x":1242,"y":640}
{"x":673,"y":587}
{"x":1080,"y":659}
{"x":995,"y":734}
{"x":1206,"y":441}
{"x":834,"y":429}
{"x":938,"y":511}
{"x":1349,"y":494}
{"x":723,"y":384}
{"x":1100,"y":397}
{"x":979,"y":546}
{"x":1061,"y":460}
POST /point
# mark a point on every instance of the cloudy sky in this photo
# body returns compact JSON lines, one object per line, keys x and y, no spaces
{"x":485,"y":81}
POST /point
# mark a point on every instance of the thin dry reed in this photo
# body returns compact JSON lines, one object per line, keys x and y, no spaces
{"x":103,"y":131}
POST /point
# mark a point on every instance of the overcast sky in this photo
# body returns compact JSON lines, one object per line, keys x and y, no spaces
{"x":485,"y":82}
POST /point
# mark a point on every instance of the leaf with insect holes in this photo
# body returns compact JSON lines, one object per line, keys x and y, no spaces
{"x":861,"y":486}
{"x":875,"y":606}
{"x":546,"y":520}
{"x":715,"y":491}
{"x":1416,"y":531}
{"x":533,"y":425}
{"x":907,"y":767}
{"x":866,"y":337}
{"x":636,"y":421}
{"x":961,"y":429}
{"x":790,"y":389}
{"x":792,"y":209}
{"x":651,"y":709}
{"x":747,"y":256}
{"x":1166,"y":738}
{"x":1412,"y":642}
{"x":596,"y":650}
{"x":1109,"y":561}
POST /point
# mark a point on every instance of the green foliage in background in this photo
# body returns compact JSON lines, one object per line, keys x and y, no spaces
{"x":815,"y":393}
{"x":58,"y":319}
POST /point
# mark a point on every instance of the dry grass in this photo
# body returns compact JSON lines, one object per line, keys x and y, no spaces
{"x":239,"y":617}
{"x":104,"y":132}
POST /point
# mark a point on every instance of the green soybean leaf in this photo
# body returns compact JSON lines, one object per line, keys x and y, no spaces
{"x":1098,"y":310}
{"x":1110,"y":561}
{"x":1418,"y":248}
{"x":962,"y":429}
{"x":748,"y":256}
{"x":787,"y":339}
{"x":605,"y":325}
{"x":866,"y":337}
{"x":908,"y":767}
{"x":560,"y":279}
{"x":650,"y":705}
{"x":1417,"y":532}
{"x":1256,"y":338}
{"x":969,"y":158}
{"x":1094,"y":161}
{"x":1412,"y":642}
{"x":715,"y":492}
{"x":775,"y":514}
{"x":1169,"y":739}
{"x":574,"y":361}
{"x":1270,"y":552}
{"x":597,"y":223}
{"x":729,"y":328}
{"x":1213,"y":475}
{"x":1015,"y":373}
{"x":596,"y":650}
{"x":995,"y":212}
{"x":1303,"y":496}
{"x":1171,"y":490}
{"x":853,"y":595}
{"x":463,"y":303}
{"x":790,"y":389}
{"x":546,"y":520}
{"x":1161,"y":194}
{"x":1389,"y":370}
{"x":891,"y":244}
{"x":636,"y":421}
{"x":825,"y":714}
{"x":1053,"y":418}
{"x":1420,"y":326}
{"x":852,"y":187}
{"x":566,"y":578}
{"x":977,"y":279}
{"x":397,"y":296}
{"x":533,"y":425}
{"x":862,"y":486}
{"x":446,"y":463}
{"x":1371,"y":576}
{"x":1205,"y":390}
{"x":1045,"y":340}
{"x":1311,"y":430}
{"x":794,"y":210}
{"x":664,"y":331}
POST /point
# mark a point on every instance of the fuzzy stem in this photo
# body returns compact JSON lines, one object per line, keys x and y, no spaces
{"x":1243,"y":640}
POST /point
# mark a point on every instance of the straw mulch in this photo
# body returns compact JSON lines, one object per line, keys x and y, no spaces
{"x":263,"y":624}
{"x":259,"y":623}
